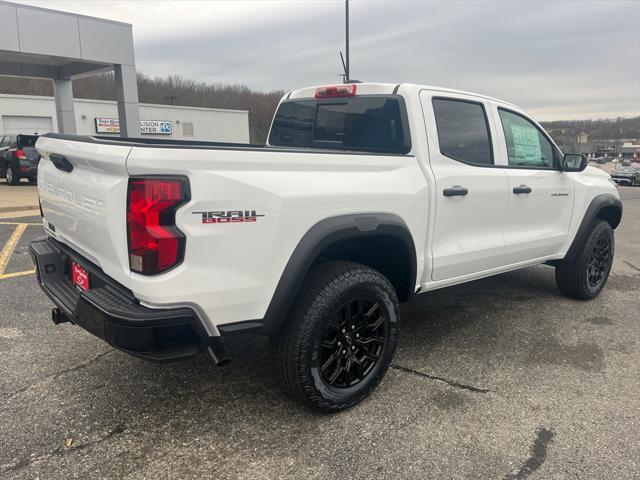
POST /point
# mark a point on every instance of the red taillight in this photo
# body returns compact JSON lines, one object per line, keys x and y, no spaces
{"x":336,"y":91}
{"x":20,"y":155}
{"x":155,"y":243}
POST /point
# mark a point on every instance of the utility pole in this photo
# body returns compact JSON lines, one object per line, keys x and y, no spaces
{"x":346,"y":66}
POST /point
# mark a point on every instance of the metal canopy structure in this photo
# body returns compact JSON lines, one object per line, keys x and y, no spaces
{"x":42,"y":43}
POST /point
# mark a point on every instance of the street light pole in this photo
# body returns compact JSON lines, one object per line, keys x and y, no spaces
{"x":346,"y":67}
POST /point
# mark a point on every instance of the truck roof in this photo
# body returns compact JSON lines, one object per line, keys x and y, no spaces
{"x":388,"y":89}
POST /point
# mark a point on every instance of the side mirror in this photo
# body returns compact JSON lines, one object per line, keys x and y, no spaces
{"x":573,"y":162}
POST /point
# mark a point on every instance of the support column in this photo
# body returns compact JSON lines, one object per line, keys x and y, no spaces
{"x":127,"y":97}
{"x":65,"y":114}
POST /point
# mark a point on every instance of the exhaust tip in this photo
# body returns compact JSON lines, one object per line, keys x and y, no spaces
{"x":218,"y":353}
{"x":57,"y":317}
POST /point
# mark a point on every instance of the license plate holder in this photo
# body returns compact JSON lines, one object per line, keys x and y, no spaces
{"x":80,"y":277}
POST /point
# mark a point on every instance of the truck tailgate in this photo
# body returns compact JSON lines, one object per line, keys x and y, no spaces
{"x":83,"y":193}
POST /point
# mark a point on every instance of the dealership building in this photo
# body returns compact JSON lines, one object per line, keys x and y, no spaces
{"x":61,"y":46}
{"x":35,"y":114}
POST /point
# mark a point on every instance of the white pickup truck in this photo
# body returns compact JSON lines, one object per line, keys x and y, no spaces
{"x":365,"y":195}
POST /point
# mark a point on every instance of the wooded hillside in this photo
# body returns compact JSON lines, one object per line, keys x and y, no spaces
{"x":565,"y":132}
{"x":179,"y":91}
{"x":171,"y":90}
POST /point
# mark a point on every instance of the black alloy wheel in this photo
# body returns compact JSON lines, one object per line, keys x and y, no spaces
{"x":599,"y":262}
{"x":353,"y":342}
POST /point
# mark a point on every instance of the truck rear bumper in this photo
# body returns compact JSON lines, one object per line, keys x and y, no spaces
{"x":111,"y":312}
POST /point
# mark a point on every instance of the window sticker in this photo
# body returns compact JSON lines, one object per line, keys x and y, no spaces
{"x":526,"y":145}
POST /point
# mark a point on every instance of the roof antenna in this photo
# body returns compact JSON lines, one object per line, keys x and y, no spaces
{"x":344,"y":66}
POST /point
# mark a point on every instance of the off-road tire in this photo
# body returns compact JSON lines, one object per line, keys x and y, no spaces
{"x":296,"y":351}
{"x":572,"y":276}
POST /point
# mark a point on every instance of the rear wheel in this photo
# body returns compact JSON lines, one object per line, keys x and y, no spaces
{"x":10,"y":176}
{"x":340,"y":337}
{"x":586,"y":275}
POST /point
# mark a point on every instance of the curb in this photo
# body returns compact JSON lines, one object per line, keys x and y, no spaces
{"x":19,"y":209}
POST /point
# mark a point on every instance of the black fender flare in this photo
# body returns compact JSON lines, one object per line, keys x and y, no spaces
{"x":311,"y":245}
{"x":598,"y":204}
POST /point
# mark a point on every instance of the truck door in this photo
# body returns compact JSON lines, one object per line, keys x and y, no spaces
{"x":540,"y":195}
{"x":471,"y":194}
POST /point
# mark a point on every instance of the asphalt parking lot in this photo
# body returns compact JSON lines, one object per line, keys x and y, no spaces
{"x":500,"y":378}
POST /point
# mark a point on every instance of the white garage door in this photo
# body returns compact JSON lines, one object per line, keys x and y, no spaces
{"x":27,"y":125}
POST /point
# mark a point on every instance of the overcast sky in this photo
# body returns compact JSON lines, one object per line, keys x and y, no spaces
{"x":558,"y":59}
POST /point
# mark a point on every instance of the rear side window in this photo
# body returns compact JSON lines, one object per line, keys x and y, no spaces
{"x":463,"y":131}
{"x":526,"y":145}
{"x":366,"y":123}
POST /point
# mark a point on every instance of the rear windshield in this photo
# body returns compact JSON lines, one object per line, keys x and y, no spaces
{"x":373,"y":123}
{"x":27,"y":140}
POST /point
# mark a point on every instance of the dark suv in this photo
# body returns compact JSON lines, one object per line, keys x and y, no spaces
{"x":18,"y":158}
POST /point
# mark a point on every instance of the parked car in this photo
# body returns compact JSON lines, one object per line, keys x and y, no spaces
{"x":365,"y":195}
{"x":626,"y":176}
{"x":18,"y":158}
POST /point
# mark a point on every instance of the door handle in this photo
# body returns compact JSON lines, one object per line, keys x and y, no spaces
{"x":455,"y":191}
{"x":522,"y":189}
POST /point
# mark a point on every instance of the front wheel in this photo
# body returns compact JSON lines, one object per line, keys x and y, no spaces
{"x":340,"y":337}
{"x":585,"y":276}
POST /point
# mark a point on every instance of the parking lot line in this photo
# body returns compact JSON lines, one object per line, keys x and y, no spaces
{"x":17,"y":274}
{"x":20,"y":223}
{"x":7,"y":250}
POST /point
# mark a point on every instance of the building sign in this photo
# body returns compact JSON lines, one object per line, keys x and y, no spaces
{"x":606,"y":148}
{"x":107,"y":125}
{"x":162,"y":127}
{"x":155,"y":127}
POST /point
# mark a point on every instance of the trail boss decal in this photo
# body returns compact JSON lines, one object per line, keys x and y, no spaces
{"x":229,"y":216}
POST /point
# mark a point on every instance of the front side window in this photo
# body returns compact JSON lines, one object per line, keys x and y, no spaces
{"x":526,"y":145}
{"x":463,"y":131}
